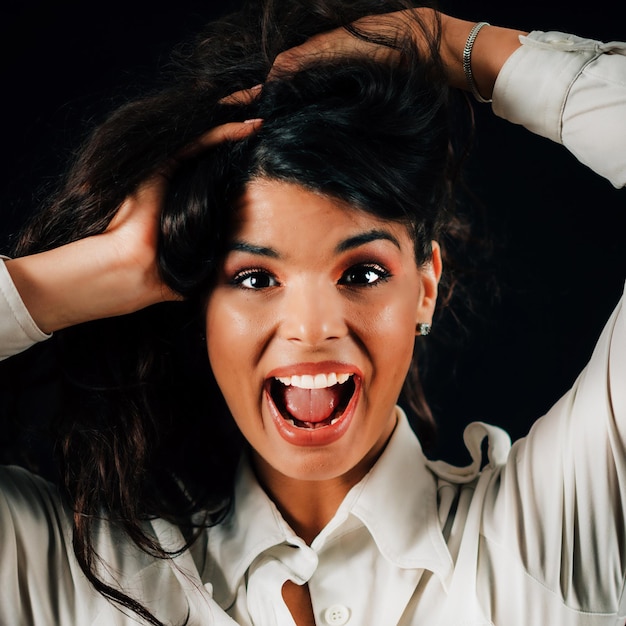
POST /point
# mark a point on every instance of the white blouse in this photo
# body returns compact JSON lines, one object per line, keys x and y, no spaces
{"x":538,"y":536}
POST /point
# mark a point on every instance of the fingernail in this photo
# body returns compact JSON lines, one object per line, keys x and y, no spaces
{"x":257,"y":87}
{"x":255,"y":120}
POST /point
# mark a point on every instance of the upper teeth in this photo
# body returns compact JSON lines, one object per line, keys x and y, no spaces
{"x":319,"y":381}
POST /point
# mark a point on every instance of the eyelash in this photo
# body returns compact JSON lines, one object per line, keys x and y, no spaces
{"x":382,"y":276}
{"x":243,"y":275}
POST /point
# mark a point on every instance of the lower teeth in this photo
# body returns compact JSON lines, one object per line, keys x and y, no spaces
{"x":312,"y":425}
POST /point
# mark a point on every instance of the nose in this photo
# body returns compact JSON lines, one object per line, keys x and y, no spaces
{"x":313,"y":312}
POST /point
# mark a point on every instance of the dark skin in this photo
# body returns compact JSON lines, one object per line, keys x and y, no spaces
{"x":298,"y":601}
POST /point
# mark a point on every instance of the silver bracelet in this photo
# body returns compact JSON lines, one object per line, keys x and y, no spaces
{"x":467,"y":61}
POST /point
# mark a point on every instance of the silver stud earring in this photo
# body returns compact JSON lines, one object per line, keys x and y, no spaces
{"x":423,"y":329}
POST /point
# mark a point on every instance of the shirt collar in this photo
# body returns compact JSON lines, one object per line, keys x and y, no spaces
{"x":396,"y":501}
{"x":253,"y":526}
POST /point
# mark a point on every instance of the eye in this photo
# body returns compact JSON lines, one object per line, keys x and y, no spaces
{"x":254,"y":279}
{"x":364,"y":274}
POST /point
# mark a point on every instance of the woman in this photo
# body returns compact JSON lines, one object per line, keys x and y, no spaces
{"x":301,"y":222}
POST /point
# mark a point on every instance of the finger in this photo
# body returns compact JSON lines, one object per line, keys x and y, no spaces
{"x":243,"y":96}
{"x":317,"y":50}
{"x":231,"y":131}
{"x":288,"y":62}
{"x":334,"y":44}
{"x":143,"y":204}
{"x":294,"y":59}
{"x":341,"y":43}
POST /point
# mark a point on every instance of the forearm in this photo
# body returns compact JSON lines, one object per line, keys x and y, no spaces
{"x":78,"y":283}
{"x":493,"y":46}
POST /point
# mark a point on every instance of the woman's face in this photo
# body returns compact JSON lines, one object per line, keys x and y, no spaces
{"x":310,"y":329}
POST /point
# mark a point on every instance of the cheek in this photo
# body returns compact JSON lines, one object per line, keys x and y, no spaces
{"x":226,"y":340}
{"x":396,"y":339}
{"x":228,"y":326}
{"x":394,"y":321}
{"x":391,"y":333}
{"x":235,"y":342}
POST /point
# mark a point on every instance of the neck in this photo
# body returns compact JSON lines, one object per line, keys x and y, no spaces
{"x":308,"y":505}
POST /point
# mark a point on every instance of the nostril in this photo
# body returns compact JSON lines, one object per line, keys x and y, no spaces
{"x":313,"y":316}
{"x":312,"y":337}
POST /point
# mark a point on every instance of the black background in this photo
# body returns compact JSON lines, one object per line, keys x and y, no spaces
{"x":561,"y":228}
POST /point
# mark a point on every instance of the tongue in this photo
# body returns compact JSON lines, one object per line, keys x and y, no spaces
{"x":311,"y":405}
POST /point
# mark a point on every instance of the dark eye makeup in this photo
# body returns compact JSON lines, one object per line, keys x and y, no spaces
{"x":364,"y":275}
{"x":358,"y":275}
{"x":254,"y":278}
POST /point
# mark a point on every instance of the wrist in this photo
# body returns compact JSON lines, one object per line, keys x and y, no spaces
{"x":491,"y":48}
{"x":467,"y":62}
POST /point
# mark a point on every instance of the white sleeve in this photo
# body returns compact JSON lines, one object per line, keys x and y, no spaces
{"x":559,"y":503}
{"x":18,"y":331}
{"x":40,"y":581}
{"x":561,"y":500}
{"x":573,"y":91}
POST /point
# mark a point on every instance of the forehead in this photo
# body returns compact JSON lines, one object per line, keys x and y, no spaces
{"x":283,"y":211}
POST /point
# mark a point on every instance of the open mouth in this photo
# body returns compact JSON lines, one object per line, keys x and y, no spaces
{"x":312,"y":402}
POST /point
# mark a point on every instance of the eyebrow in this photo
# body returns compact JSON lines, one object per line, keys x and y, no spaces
{"x":367,"y":237}
{"x":347,"y":244}
{"x":250,"y":248}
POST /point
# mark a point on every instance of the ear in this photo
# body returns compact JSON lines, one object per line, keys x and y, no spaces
{"x":430,"y":273}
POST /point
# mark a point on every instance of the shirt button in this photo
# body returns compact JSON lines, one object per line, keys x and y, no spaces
{"x":337,"y":615}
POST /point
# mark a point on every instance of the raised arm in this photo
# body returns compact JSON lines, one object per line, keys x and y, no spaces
{"x":105,"y":275}
{"x":567,"y":88}
{"x":100,"y":276}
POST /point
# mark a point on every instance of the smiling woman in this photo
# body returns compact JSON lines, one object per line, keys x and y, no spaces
{"x":232,"y":286}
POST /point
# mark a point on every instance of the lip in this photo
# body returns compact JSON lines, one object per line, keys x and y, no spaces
{"x":319,"y":436}
{"x":321,"y":367}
